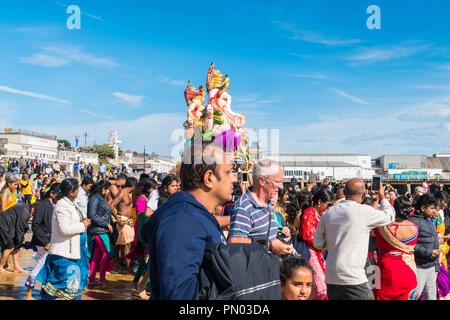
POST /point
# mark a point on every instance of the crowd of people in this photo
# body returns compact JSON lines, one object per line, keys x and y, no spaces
{"x":345,"y":240}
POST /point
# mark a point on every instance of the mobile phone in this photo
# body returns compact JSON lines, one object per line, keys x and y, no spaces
{"x":244,"y":176}
{"x":239,"y":177}
{"x":376,"y":183}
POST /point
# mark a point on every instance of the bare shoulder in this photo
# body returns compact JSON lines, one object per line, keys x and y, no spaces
{"x":406,"y":229}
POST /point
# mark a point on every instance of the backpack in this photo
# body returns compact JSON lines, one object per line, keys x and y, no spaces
{"x":239,"y":271}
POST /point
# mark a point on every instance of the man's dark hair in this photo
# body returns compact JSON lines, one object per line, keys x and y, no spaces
{"x":143,"y":176}
{"x":86,"y":181}
{"x":122,"y":177}
{"x":194,"y":167}
{"x":98,"y":187}
{"x":130,"y":182}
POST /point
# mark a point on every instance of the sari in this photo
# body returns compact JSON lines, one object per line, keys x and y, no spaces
{"x":63,"y":278}
{"x":442,"y":279}
{"x":310,"y":221}
{"x":398,"y":273}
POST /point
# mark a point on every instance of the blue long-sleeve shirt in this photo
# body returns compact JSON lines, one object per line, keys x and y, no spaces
{"x":178,"y":233}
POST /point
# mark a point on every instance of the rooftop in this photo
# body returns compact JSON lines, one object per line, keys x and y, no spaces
{"x":318,"y":154}
{"x":316,"y":164}
{"x":28,"y":133}
{"x":439,"y":163}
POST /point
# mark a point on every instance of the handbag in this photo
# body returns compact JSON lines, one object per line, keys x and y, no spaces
{"x":301,"y":247}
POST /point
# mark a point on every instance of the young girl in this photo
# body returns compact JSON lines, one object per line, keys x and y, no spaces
{"x":296,"y":277}
{"x":426,"y":251}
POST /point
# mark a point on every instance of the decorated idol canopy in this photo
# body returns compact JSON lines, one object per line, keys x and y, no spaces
{"x":217,"y":121}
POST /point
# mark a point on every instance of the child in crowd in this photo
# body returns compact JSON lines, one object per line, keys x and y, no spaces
{"x":426,"y":251}
{"x":296,"y":277}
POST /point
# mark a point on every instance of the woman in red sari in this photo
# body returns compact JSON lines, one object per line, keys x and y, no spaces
{"x":321,"y":200}
{"x":397,"y":269}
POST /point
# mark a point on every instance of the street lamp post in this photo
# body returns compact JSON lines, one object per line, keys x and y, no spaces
{"x":144,"y":159}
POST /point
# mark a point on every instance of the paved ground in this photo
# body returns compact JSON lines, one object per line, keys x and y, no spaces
{"x":12,"y":285}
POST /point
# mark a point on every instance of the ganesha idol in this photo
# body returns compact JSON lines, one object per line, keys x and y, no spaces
{"x":195,"y":100}
{"x":219,"y":99}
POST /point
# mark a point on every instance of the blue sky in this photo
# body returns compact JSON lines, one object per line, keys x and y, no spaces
{"x":311,"y":69}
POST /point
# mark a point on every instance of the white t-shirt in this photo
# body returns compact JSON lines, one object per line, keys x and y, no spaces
{"x":153,"y":200}
{"x":344,"y":231}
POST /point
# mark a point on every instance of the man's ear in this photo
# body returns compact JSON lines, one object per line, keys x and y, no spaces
{"x":208,"y":179}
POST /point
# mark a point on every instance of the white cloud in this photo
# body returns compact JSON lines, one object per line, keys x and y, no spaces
{"x":376,"y":134}
{"x":175,"y":83}
{"x":135,"y":101}
{"x":45,"y":60}
{"x":378,"y":54}
{"x":252,"y":101}
{"x":97,"y":115}
{"x":58,"y":56}
{"x":431,"y":87}
{"x":32,"y":94}
{"x":302,"y":75}
{"x":35,"y":30}
{"x":310,"y":36}
{"x":348,"y":96}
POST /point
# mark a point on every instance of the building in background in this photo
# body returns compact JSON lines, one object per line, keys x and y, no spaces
{"x":412,"y":167}
{"x":152,"y":163}
{"x":16,"y":143}
{"x":330,"y":166}
{"x":28,"y":144}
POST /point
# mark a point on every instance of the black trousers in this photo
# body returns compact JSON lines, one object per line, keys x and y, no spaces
{"x":349,"y":292}
{"x":27,"y":199}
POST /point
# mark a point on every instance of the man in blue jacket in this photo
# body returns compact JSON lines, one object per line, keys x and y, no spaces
{"x":179,"y":231}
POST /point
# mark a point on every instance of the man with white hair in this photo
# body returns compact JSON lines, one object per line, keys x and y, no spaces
{"x":253,"y":219}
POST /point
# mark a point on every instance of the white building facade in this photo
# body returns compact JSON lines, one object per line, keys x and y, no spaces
{"x":331,"y":166}
{"x":29,"y":145}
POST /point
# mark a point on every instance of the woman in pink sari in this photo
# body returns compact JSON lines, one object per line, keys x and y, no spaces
{"x":140,"y":251}
{"x":321,"y":201}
